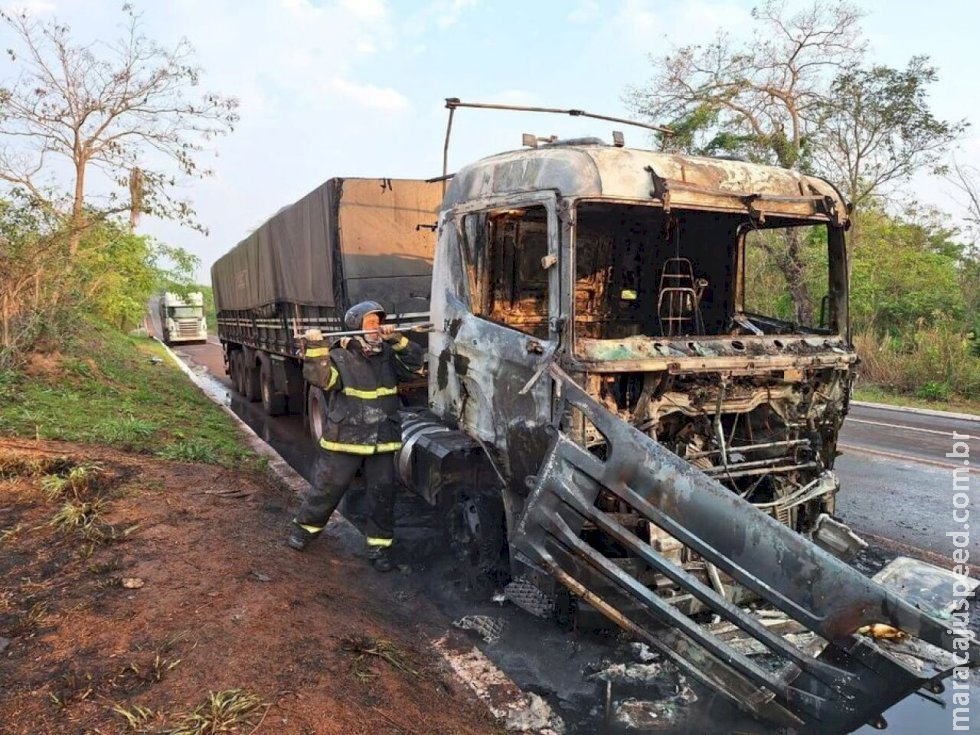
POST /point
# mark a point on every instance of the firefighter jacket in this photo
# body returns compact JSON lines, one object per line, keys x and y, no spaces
{"x":362,"y":414}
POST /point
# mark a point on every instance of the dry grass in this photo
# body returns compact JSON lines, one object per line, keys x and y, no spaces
{"x":31,"y":621}
{"x":364,"y":647}
{"x":137,"y":717}
{"x":8,"y":535}
{"x":18,"y":465}
{"x":221,"y":712}
{"x":934,"y":363}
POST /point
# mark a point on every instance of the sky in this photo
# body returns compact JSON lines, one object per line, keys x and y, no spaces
{"x":357,"y":87}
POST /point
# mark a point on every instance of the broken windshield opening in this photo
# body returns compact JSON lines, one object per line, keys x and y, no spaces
{"x":640,"y":271}
{"x":785,"y":279}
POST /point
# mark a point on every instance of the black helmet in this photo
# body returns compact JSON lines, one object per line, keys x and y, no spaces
{"x":354,"y":317}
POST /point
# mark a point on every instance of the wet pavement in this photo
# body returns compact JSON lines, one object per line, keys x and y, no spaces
{"x":594,"y":678}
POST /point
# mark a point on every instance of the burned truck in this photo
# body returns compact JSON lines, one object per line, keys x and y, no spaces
{"x":627,"y":414}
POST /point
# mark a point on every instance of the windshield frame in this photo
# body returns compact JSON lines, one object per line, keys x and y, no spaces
{"x":837,"y":332}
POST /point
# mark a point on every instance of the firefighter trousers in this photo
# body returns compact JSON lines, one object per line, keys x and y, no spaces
{"x":333,"y":475}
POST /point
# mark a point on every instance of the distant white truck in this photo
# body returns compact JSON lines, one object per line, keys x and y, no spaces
{"x":182,"y":320}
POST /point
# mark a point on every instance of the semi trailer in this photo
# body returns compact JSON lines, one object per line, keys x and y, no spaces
{"x":620,"y":413}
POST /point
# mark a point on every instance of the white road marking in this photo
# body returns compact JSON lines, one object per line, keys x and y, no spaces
{"x":951,"y":465}
{"x":850,"y":420}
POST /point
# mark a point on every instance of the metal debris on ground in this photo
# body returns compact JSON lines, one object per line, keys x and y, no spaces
{"x":520,"y":711}
{"x":528,"y":596}
{"x":638,"y":714}
{"x":261,"y":577}
{"x":629,"y":673}
{"x":536,"y":717}
{"x":643,"y":653}
{"x":487,"y":627}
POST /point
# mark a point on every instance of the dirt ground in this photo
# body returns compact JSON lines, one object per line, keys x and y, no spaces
{"x":170,"y":581}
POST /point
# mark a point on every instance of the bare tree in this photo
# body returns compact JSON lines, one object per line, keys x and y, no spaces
{"x":875,"y":128}
{"x":758,"y":99}
{"x":123,"y":108}
{"x":967,"y":180}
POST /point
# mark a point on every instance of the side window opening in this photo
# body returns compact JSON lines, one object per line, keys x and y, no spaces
{"x":509,"y":284}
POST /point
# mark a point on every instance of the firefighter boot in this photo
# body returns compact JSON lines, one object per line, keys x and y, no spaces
{"x":379,"y":558}
{"x":300,"y":538}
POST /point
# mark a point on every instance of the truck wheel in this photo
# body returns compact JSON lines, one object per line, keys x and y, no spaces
{"x":251,"y":382}
{"x":233,"y":370}
{"x":240,"y":373}
{"x":273,"y":403}
{"x":476,"y":533}
{"x":316,"y":404}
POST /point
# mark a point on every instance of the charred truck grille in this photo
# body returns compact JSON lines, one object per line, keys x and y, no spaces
{"x":849,"y":683}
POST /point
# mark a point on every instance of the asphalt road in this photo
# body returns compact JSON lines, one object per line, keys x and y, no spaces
{"x":897,"y":483}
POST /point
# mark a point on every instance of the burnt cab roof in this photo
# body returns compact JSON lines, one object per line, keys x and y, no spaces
{"x":684,"y":182}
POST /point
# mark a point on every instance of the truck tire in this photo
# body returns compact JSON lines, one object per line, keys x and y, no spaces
{"x":273,"y":403}
{"x":233,"y":371}
{"x":251,"y":381}
{"x":316,"y":403}
{"x":240,"y":372}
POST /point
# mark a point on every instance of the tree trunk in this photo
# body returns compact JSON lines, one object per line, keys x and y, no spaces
{"x":5,"y":318}
{"x":77,"y":210}
{"x":795,"y":271}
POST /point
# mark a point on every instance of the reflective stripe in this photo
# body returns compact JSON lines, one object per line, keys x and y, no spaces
{"x":360,"y":448}
{"x":402,"y":344}
{"x":309,"y":529}
{"x":318,"y":352}
{"x":333,"y":377}
{"x":370,"y":395}
{"x":382,"y":542}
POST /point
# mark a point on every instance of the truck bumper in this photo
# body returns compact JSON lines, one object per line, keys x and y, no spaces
{"x":849,"y":682}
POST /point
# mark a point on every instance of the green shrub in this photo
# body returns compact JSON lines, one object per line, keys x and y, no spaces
{"x":935,"y":391}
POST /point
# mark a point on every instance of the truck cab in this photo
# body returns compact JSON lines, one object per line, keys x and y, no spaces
{"x":651,"y":357}
{"x":658,"y":283}
{"x":182,"y":319}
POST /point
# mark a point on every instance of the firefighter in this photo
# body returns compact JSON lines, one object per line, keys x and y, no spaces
{"x":362,"y":429}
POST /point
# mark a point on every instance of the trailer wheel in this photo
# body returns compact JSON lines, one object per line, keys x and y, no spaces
{"x":273,"y":403}
{"x":476,"y":533}
{"x":233,"y":370}
{"x":251,"y":381}
{"x":316,"y":402}
{"x":236,"y":371}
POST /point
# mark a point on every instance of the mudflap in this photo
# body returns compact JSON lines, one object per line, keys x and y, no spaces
{"x":849,"y":683}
